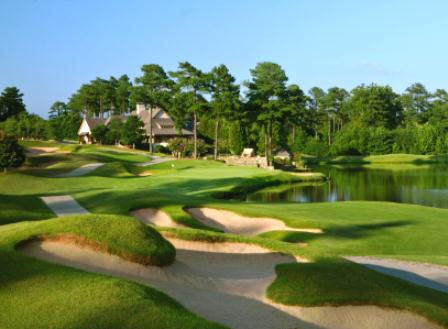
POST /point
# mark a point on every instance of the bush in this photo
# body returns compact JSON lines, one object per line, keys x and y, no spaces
{"x":99,"y":134}
{"x":161,"y":149}
{"x":203,"y":148}
{"x":362,"y":141}
{"x":178,"y":146}
{"x":132,"y":132}
{"x":12,"y":154}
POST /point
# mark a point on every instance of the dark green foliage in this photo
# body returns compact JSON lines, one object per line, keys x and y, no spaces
{"x":99,"y":134}
{"x":375,"y":106}
{"x":161,"y":149}
{"x":132,"y":132}
{"x":26,"y":126}
{"x":11,"y":153}
{"x":113,"y":134}
{"x":224,"y":103}
{"x":178,"y":146}
{"x":64,"y":121}
{"x":362,"y":141}
{"x":235,"y":138}
{"x":370,"y":119}
{"x":11,"y":103}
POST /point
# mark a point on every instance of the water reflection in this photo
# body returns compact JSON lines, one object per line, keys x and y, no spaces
{"x":425,"y":185}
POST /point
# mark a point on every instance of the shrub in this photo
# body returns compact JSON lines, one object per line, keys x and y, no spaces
{"x":12,"y":154}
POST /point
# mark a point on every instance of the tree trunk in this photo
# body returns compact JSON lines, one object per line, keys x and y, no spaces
{"x":133,"y":146}
{"x":329,"y":131}
{"x":270,"y":143}
{"x":293,"y":134}
{"x":195,"y":130}
{"x":151,"y":150}
{"x":216,"y":139}
{"x":266,"y":144}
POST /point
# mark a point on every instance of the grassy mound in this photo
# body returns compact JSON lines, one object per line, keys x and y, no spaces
{"x":36,"y":294}
{"x":339,"y":282}
{"x":119,"y":235}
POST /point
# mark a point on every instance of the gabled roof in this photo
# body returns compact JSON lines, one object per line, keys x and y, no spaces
{"x":93,"y":122}
{"x":162,"y":124}
{"x":122,"y":118}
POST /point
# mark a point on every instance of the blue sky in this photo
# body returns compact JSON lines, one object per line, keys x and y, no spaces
{"x":49,"y":48}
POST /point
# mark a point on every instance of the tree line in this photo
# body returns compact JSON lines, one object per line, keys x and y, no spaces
{"x":264,"y":112}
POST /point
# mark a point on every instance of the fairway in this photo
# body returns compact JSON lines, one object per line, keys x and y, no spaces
{"x":183,"y":200}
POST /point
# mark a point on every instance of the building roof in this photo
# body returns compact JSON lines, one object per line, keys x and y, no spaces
{"x":122,"y":118}
{"x":162,"y":124}
{"x":93,"y":122}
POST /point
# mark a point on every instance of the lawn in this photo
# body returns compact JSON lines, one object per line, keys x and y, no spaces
{"x":378,"y":159}
{"x":350,"y":228}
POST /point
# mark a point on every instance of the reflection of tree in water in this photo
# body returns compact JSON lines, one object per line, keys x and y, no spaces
{"x":417,"y":185}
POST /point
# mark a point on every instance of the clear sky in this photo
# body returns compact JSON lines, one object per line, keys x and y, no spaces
{"x":49,"y":48}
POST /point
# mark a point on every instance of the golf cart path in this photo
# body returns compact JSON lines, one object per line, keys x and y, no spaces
{"x":64,"y":205}
{"x":155,"y":160}
{"x":83,"y":170}
{"x":428,"y":275}
{"x":231,"y":222}
{"x":226,"y":283}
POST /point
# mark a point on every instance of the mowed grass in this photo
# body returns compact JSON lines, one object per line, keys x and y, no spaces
{"x":379,"y":159}
{"x":35,"y":294}
{"x":334,"y":281}
{"x":350,"y":228}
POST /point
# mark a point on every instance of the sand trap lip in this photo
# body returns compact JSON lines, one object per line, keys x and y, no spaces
{"x":231,"y":222}
{"x":42,"y":150}
{"x":226,"y":282}
{"x":37,"y":150}
{"x":83,"y":170}
{"x":64,"y":205}
{"x":427,"y":275}
{"x":145,"y":173}
{"x":155,"y":160}
{"x":156,"y":217}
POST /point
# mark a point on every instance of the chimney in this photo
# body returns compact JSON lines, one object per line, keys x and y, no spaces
{"x":140,"y":108}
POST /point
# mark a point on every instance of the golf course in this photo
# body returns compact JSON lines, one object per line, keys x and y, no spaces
{"x":106,"y":237}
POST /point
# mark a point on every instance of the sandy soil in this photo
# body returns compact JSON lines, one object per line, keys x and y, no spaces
{"x":428,"y":275}
{"x":85,"y":169}
{"x":155,"y":160}
{"x":231,"y":222}
{"x":153,"y":216}
{"x":64,"y":205}
{"x":226,"y":283}
{"x":36,"y":151}
{"x":145,"y":173}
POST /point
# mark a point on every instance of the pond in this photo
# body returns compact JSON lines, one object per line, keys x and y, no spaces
{"x":424,"y":185}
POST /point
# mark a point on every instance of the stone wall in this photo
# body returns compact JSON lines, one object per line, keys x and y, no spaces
{"x":246,"y":161}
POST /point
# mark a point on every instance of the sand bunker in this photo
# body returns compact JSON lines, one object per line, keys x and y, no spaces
{"x":226,"y":283}
{"x":155,"y":160}
{"x":83,"y":170}
{"x":428,"y":275}
{"x":231,"y":222}
{"x":38,"y":150}
{"x":64,"y":205}
{"x":145,"y":173}
{"x":155,"y":217}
